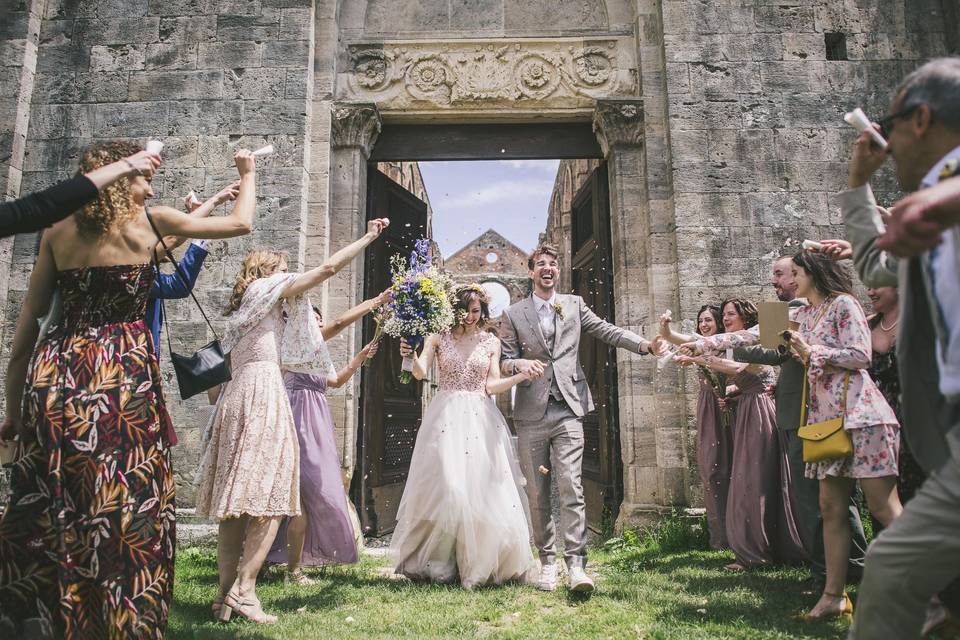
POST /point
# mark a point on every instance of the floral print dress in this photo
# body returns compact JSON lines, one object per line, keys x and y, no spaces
{"x":87,"y":540}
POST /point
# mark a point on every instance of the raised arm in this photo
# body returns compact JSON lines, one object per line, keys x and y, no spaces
{"x":202,"y":210}
{"x":239,"y":222}
{"x":671,"y":336}
{"x":423,"y":361}
{"x":617,"y":337}
{"x":331,"y":329}
{"x":721,"y":341}
{"x":714,"y":363}
{"x":341,"y":377}
{"x":35,"y":306}
{"x":309,"y":279}
{"x":495,"y":383}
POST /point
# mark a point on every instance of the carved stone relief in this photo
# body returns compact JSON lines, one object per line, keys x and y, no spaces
{"x":478,"y":74}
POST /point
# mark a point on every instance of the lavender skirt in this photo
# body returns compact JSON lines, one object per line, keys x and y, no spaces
{"x":330,"y":535}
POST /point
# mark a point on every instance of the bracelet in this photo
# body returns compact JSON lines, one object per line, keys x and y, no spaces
{"x":133,"y":168}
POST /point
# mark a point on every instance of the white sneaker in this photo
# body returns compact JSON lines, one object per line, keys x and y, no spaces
{"x":548,"y":577}
{"x":580,"y":582}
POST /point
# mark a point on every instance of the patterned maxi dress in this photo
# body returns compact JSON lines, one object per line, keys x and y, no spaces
{"x":87,"y":541}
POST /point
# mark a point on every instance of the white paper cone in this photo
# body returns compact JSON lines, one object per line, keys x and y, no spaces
{"x":859,"y":121}
{"x":263,"y":151}
{"x":154,"y":146}
{"x":407,"y":364}
{"x":811,"y":244}
{"x":193,"y":197}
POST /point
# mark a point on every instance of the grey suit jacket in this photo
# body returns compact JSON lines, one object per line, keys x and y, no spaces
{"x":922,"y":405}
{"x":522,"y":338}
{"x":789,"y":392}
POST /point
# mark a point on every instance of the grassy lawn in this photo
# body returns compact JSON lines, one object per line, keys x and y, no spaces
{"x":684,"y":594}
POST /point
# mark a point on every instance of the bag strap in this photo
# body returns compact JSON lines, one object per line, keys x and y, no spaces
{"x":803,"y":401}
{"x":180,"y":271}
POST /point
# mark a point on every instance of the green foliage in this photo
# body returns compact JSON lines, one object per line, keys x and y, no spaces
{"x":674,"y":533}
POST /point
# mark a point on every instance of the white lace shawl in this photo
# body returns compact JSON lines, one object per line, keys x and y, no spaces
{"x":302,"y":348}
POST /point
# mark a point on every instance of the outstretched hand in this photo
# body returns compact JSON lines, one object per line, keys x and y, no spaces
{"x":690,"y":349}
{"x":836,"y":249}
{"x":658,"y":346}
{"x":370,"y":350}
{"x":917,"y":222}
{"x":665,"y":319}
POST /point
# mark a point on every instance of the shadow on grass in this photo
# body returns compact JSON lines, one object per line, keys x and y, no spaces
{"x":768,"y":599}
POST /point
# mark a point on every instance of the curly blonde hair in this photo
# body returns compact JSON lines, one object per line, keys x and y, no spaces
{"x":259,"y":263}
{"x":114,"y":206}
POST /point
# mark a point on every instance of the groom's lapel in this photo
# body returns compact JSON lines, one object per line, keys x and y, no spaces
{"x":530,"y":311}
{"x":558,"y":332}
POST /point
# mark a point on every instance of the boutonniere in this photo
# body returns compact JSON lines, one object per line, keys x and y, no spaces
{"x":559,"y":309}
{"x":949,"y":169}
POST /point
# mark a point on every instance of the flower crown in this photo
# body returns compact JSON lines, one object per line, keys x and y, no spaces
{"x":473,"y":287}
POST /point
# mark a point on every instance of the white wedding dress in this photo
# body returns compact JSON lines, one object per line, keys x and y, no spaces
{"x":463,"y":514}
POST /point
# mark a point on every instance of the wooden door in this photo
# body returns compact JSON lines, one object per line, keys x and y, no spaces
{"x":593,"y":281}
{"x":389,"y":411}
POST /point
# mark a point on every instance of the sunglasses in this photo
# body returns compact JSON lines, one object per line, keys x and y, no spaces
{"x":886,"y":122}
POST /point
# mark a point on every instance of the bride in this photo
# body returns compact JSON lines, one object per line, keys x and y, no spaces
{"x":463,"y":515}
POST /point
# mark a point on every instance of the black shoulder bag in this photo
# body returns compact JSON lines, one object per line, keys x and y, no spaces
{"x":207,"y":367}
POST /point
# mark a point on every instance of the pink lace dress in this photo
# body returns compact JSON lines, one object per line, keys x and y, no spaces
{"x":463,"y":514}
{"x":251,"y":465}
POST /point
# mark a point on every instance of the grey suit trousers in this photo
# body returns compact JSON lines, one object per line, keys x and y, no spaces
{"x":914,"y":558}
{"x":556,"y":444}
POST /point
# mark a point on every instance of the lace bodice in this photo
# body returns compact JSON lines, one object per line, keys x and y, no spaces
{"x":95,"y":296}
{"x":262,"y":343}
{"x":460,"y":371}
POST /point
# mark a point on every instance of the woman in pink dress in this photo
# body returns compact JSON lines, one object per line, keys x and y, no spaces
{"x":834,"y":341}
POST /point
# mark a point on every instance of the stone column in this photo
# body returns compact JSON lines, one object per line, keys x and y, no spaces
{"x":354,"y":128}
{"x":644,"y":280}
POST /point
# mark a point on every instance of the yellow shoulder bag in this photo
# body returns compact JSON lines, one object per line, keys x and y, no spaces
{"x":828,"y":439}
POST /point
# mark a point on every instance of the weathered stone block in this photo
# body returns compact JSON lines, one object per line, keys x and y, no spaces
{"x":191,"y":117}
{"x":229,"y":55}
{"x":140,"y":30}
{"x":283,"y":53}
{"x":181,"y":7}
{"x":784,"y":18}
{"x":125,"y":57}
{"x":248,"y":84}
{"x":61,"y":57}
{"x":237,"y":7}
{"x":296,"y":85}
{"x":257,"y":28}
{"x":477,"y":15}
{"x":296,"y":23}
{"x":265,"y":117}
{"x":130,"y":119}
{"x":173,"y":85}
{"x":183,"y":30}
{"x":171,"y":56}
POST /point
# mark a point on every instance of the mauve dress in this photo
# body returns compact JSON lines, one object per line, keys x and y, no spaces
{"x":761,"y":528}
{"x":330,"y":537}
{"x":714,"y":459}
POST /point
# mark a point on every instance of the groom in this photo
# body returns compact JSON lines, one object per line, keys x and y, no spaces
{"x":541,"y":335}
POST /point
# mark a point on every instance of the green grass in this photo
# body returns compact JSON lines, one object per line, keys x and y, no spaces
{"x":643,"y":591}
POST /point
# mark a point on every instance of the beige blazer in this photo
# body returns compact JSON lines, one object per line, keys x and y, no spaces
{"x":522,"y":339}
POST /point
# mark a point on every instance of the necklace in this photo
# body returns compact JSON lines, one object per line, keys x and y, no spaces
{"x":891,"y":327}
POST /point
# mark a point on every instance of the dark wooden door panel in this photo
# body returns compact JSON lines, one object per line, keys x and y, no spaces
{"x":389,"y":411}
{"x":593,"y":281}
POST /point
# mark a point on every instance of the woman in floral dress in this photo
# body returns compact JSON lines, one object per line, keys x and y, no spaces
{"x":87,"y":541}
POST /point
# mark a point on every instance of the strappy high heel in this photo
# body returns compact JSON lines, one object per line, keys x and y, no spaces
{"x":248,"y":609}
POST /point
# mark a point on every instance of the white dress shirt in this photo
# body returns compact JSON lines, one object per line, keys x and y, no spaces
{"x":547,"y":315}
{"x":942,"y":263}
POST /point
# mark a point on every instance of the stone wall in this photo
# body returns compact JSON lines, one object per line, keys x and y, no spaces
{"x":472,"y":263}
{"x":571,"y":175}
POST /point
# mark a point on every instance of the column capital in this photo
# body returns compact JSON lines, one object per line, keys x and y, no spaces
{"x":618,"y":123}
{"x":355,"y":124}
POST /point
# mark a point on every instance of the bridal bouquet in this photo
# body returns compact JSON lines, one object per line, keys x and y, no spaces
{"x":421,"y":301}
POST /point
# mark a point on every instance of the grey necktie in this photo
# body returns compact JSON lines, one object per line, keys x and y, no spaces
{"x":547,"y":319}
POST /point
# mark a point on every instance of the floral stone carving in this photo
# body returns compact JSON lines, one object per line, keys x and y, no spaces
{"x":473,"y":74}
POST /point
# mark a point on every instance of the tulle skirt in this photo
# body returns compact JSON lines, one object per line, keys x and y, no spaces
{"x":463,"y":515}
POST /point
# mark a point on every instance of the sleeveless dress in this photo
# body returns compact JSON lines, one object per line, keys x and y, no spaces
{"x":463,"y":515}
{"x":251,"y":465}
{"x":761,"y":528}
{"x":330,"y":537}
{"x":87,"y":541}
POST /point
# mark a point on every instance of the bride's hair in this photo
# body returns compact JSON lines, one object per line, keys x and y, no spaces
{"x":464,"y":297}
{"x":259,"y":263}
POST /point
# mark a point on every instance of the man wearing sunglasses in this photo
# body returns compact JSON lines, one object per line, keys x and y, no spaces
{"x":918,"y":556}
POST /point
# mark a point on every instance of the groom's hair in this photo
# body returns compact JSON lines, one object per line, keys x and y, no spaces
{"x":544,"y":249}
